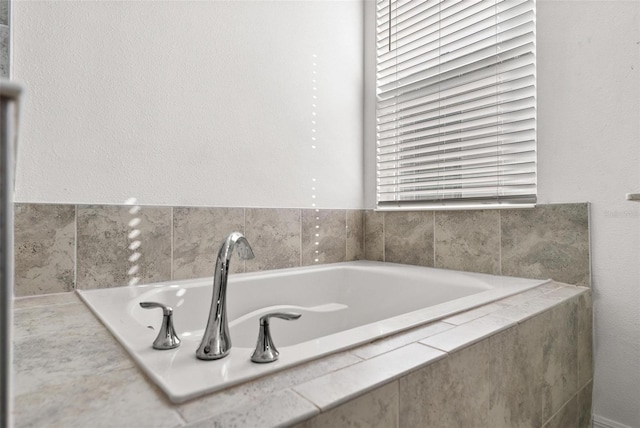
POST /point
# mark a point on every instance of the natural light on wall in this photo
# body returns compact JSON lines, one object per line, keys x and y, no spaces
{"x":456,"y":103}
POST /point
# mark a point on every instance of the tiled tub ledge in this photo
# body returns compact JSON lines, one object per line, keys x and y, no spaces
{"x":521,"y":361}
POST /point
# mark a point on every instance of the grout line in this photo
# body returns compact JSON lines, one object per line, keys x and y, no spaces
{"x":361,"y":242}
{"x":172,"y":244}
{"x":305,"y":399}
{"x":180,"y":417}
{"x":545,"y":423}
{"x":434,"y":238}
{"x":499,"y":242}
{"x":300,"y":240}
{"x":346,"y":235}
{"x":384,"y":237}
{"x":244,"y":232}
{"x":589,"y":243}
{"x":75,"y":249}
{"x":364,"y":235}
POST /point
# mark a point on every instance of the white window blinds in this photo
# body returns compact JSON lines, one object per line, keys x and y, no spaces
{"x":456,"y":102}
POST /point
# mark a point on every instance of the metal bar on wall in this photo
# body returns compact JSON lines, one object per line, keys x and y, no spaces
{"x":9,"y":105}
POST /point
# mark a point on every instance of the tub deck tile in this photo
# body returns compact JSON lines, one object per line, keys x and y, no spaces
{"x":45,"y":300}
{"x":119,"y":398}
{"x":469,"y":333}
{"x":537,"y":305}
{"x":378,"y":409}
{"x":245,"y":394}
{"x":384,"y":345}
{"x":338,"y":387}
{"x":531,"y":294}
{"x":473,"y":314}
{"x":278,"y":409}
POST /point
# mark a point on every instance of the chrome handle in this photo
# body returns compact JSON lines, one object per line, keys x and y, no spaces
{"x":167,"y":337}
{"x":266,"y":351}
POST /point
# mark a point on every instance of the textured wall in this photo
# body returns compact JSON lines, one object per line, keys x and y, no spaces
{"x":215,"y":103}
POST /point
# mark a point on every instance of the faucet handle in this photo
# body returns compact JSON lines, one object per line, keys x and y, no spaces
{"x":167,"y":337}
{"x":266,"y":351}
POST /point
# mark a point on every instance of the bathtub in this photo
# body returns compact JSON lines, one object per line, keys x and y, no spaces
{"x":343,"y":305}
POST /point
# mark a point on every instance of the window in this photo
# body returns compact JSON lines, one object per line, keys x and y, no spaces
{"x":456,"y":103}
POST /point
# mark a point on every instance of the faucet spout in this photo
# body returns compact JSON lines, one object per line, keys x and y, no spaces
{"x":216,"y":341}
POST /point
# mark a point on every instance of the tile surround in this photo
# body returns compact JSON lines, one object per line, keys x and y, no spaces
{"x":197,"y":235}
{"x":499,"y":381}
{"x":44,"y":248}
{"x":408,"y":237}
{"x":339,"y":387}
{"x":374,"y":236}
{"x":262,"y":412}
{"x":379,"y":409}
{"x":355,"y":235}
{"x":468,"y":240}
{"x":62,"y":349}
{"x":585,"y":396}
{"x":550,"y":241}
{"x":4,"y":50}
{"x":559,"y":357}
{"x":324,"y":236}
{"x":515,"y":372}
{"x":495,"y":382}
{"x":4,"y":12}
{"x":585,"y":338}
{"x":566,"y":417}
{"x":104,"y":234}
{"x":453,"y":392}
{"x":245,"y":395}
{"x":545,"y":242}
{"x":181,"y":242}
{"x":274,"y":235}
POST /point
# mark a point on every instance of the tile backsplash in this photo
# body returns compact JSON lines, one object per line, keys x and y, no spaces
{"x":4,"y":38}
{"x":548,"y":241}
{"x":61,"y":247}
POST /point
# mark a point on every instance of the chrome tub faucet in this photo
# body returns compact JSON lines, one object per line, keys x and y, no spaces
{"x":216,"y":341}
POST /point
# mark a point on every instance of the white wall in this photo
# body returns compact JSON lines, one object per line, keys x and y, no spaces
{"x":589,"y":150}
{"x":190,"y":103}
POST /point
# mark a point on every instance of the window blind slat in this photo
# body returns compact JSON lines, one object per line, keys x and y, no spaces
{"x":480,"y":98}
{"x":486,"y":192}
{"x":523,"y":149}
{"x":518,"y":63}
{"x":486,"y":106}
{"x":435,"y":43}
{"x":454,"y":60}
{"x":510,"y":75}
{"x":458,"y":165}
{"x":463,"y":127}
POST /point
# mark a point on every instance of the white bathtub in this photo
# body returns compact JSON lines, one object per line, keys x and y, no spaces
{"x":342,"y":305}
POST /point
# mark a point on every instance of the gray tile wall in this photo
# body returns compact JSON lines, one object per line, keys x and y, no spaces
{"x":525,"y":376}
{"x":549,"y":241}
{"x":63,"y":247}
{"x":4,"y":38}
{"x":44,"y":248}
